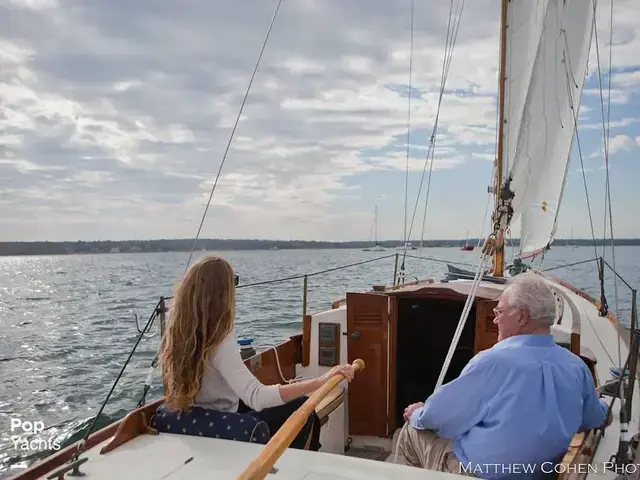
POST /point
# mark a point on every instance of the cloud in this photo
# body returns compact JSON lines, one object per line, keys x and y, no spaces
{"x":619,"y":143}
{"x":114,"y":116}
{"x":615,"y":124}
{"x":627,"y":79}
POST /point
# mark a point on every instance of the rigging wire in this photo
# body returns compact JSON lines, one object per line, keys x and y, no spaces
{"x":406,"y":178}
{"x":450,"y":41}
{"x":584,"y":177}
{"x":341,"y":267}
{"x":146,"y":328}
{"x":147,"y":385}
{"x":486,"y":208}
{"x":605,"y":132}
{"x":233,"y":130}
{"x":492,"y":177}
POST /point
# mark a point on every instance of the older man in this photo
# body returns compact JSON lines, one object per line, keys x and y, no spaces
{"x":515,"y":405}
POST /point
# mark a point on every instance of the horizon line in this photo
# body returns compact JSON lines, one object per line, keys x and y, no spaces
{"x":575,"y":239}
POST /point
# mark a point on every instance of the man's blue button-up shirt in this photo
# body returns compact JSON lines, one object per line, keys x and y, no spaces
{"x":514,"y":407}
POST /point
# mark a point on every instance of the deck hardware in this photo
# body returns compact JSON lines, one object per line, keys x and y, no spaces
{"x":73,"y":466}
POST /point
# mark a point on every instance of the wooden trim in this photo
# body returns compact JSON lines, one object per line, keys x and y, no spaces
{"x":289,"y":353}
{"x":580,"y":455}
{"x":338,"y":303}
{"x":58,"y":459}
{"x":590,"y":360}
{"x":486,"y":332}
{"x":306,"y":340}
{"x":393,"y":288}
{"x":447,"y":293}
{"x":575,"y":343}
{"x":393,"y":353}
{"x":133,"y":425}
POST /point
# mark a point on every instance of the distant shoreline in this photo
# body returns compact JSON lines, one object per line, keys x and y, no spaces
{"x":185,"y":245}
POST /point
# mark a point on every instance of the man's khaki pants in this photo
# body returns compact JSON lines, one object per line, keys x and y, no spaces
{"x":423,"y":448}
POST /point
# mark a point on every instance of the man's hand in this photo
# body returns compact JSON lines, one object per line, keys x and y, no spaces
{"x":410,"y":409}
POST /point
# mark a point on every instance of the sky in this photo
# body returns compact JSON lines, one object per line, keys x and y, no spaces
{"x":114,"y":117}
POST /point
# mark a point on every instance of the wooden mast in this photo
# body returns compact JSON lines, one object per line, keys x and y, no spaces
{"x":498,"y":256}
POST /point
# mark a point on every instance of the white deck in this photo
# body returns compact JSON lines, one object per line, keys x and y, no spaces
{"x":166,"y":457}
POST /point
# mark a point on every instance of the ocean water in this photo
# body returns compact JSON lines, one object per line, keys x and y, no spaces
{"x":67,"y":323}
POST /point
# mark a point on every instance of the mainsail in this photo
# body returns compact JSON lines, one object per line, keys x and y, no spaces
{"x":547,"y":48}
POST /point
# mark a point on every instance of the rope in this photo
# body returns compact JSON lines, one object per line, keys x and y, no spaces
{"x":487,"y":252}
{"x":295,"y":379}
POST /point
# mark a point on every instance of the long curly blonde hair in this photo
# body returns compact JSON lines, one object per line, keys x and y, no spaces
{"x":201,"y":317}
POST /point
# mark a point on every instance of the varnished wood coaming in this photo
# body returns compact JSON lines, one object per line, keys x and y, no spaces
{"x":486,"y":334}
{"x":136,"y":422}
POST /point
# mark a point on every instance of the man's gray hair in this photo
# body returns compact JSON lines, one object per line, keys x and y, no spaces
{"x":530,"y":292}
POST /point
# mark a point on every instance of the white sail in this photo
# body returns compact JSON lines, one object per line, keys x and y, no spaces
{"x":547,"y":50}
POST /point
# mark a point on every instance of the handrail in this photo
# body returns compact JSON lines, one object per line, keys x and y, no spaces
{"x":259,"y":468}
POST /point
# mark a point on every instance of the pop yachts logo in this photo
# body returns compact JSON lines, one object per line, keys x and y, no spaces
{"x":35,"y":442}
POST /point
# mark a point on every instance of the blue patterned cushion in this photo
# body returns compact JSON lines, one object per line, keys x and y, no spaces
{"x":211,"y":423}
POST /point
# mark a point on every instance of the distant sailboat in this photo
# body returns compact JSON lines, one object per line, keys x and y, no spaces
{"x":377,"y":247}
{"x":466,"y":247}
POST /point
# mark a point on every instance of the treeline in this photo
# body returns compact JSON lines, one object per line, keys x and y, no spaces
{"x":182,"y":245}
